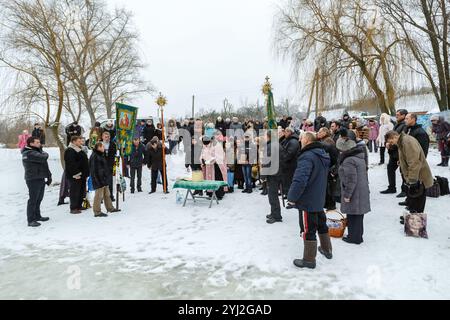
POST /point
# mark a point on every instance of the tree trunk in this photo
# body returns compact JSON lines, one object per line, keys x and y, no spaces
{"x":436,"y":53}
{"x":60,"y":143}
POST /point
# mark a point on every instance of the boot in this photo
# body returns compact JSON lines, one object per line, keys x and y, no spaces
{"x":326,"y":248}
{"x":309,"y":256}
{"x":389,"y":191}
{"x":442,"y":162}
{"x":445,"y":164}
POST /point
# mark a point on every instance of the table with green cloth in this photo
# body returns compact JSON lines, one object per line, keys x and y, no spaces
{"x":212,"y":186}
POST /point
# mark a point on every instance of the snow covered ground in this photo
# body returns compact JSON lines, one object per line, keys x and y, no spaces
{"x":155,"y":249}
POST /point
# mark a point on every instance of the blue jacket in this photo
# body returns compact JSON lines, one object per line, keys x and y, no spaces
{"x":309,"y":184}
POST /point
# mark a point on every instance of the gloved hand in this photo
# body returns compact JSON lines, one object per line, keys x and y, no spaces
{"x":414,"y":186}
{"x":291,"y":205}
{"x":49,"y":182}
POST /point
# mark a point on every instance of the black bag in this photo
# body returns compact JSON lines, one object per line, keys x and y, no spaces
{"x":443,"y":184}
{"x":434,"y":191}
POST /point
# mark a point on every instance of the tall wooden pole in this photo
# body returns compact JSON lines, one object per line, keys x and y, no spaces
{"x":193,"y":106}
{"x":163,"y":150}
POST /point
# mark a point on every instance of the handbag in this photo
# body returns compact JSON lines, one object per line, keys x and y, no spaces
{"x":443,"y":184}
{"x":435,"y":190}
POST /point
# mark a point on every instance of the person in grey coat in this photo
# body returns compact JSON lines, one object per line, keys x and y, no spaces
{"x":354,"y":188}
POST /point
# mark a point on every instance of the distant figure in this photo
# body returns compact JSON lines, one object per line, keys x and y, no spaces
{"x":23,"y":138}
{"x":73,"y":130}
{"x":95,"y":135}
{"x":385,"y":126}
{"x":39,"y":133}
{"x":441,"y":129}
{"x":373,"y":135}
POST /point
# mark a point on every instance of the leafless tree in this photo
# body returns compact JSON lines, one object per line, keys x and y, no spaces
{"x":345,"y":40}
{"x":425,"y":25}
{"x":33,"y":49}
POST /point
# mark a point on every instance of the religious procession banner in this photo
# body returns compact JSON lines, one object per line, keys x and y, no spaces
{"x":125,"y":125}
{"x":270,"y":105}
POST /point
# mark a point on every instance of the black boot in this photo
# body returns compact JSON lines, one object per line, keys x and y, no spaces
{"x":309,"y":256}
{"x":442,"y":162}
{"x":445,"y":164}
{"x":389,"y":191}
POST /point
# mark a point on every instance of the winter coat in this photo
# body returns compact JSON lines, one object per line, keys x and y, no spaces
{"x":320,"y":123}
{"x":139,"y":131}
{"x":374,"y":131}
{"x":99,"y":170}
{"x":213,"y":154}
{"x":148,"y":133}
{"x":330,"y":147}
{"x":35,"y":164}
{"x":384,"y":129}
{"x":267,"y":161}
{"x":237,"y":130}
{"x":309,"y":183}
{"x":110,"y":155}
{"x":111,"y":131}
{"x":39,"y":133}
{"x":290,"y":148}
{"x":77,"y":163}
{"x":137,"y":156}
{"x":413,"y":163}
{"x":247,"y":152}
{"x":172,"y":133}
{"x":354,"y":182}
{"x":23,"y":138}
{"x":345,"y":122}
{"x":363,"y":133}
{"x":154,"y":158}
{"x":441,"y":129}
{"x":283,"y":123}
{"x":72,"y":131}
{"x":220,"y":125}
{"x":421,"y":136}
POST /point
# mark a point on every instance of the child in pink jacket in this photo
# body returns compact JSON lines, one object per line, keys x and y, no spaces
{"x":23,"y":139}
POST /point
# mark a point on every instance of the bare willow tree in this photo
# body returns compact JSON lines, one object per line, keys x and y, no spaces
{"x":425,"y":25}
{"x":118,"y":74}
{"x":101,"y":55}
{"x":69,"y":58}
{"x":345,"y":40}
{"x":33,"y":49}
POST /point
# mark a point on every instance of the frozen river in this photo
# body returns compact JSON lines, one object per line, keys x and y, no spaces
{"x":63,"y":274}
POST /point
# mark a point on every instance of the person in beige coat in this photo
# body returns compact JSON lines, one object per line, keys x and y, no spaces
{"x":415,"y":169}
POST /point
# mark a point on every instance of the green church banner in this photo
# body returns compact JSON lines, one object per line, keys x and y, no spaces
{"x":126,"y":117}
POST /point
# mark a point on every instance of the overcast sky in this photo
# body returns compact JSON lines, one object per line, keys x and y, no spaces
{"x":213,"y":49}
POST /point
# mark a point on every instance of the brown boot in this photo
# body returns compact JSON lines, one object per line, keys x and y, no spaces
{"x":326,"y":248}
{"x":75,"y":211}
{"x":309,"y":256}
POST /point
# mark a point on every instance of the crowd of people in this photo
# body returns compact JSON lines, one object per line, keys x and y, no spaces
{"x":320,"y":163}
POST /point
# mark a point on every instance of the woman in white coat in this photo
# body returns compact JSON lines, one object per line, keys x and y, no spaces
{"x":385,"y":126}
